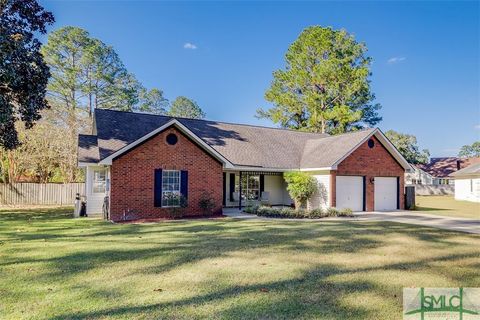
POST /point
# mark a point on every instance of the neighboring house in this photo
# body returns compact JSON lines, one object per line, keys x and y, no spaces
{"x":418,"y":176}
{"x":467,"y":183}
{"x":441,"y":168}
{"x":146,"y":164}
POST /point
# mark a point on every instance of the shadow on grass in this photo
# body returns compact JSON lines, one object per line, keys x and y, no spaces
{"x":312,"y":294}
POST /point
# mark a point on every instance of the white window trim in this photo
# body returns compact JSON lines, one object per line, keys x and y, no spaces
{"x":179,"y":188}
{"x":104,"y":170}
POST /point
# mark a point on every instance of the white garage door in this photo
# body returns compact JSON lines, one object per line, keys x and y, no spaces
{"x":385,"y":193}
{"x":349,"y":191}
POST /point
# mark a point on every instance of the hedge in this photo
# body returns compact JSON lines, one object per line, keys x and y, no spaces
{"x":299,"y":214}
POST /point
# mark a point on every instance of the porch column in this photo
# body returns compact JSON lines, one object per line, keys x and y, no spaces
{"x":240,"y":191}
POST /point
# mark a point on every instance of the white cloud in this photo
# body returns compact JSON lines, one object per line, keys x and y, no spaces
{"x":477,"y":126}
{"x":396,"y":60}
{"x":190,"y":46}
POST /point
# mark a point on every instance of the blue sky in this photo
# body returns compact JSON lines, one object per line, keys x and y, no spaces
{"x":426,"y":69}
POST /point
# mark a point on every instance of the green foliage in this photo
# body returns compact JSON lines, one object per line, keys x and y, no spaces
{"x":23,"y":72}
{"x":470,"y":151}
{"x":301,"y":186}
{"x":152,"y":101}
{"x":407,"y":146}
{"x":177,"y":212}
{"x":325,"y":86}
{"x":86,"y":73}
{"x":186,"y":108}
{"x":206,"y":203}
{"x":297,"y":214}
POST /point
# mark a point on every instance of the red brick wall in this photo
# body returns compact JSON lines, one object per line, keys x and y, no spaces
{"x":370,"y":162}
{"x":132,"y":177}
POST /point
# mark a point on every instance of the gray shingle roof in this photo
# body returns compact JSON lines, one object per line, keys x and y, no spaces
{"x":88,"y":148}
{"x":472,"y":170}
{"x":242,"y":145}
{"x":325,"y":152}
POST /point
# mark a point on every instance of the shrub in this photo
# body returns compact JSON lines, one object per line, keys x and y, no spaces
{"x":332,"y":212}
{"x":178,"y":211}
{"x":206,"y":203}
{"x":316,"y":213}
{"x":301,"y":187}
{"x":297,"y":214}
{"x":347,"y":212}
{"x":252,"y":209}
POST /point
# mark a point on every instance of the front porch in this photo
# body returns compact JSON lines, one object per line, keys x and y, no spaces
{"x":244,"y":188}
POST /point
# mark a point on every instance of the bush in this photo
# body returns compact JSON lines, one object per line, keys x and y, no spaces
{"x":252,"y":209}
{"x":296,"y":214}
{"x":347,"y":212}
{"x":206,"y":203}
{"x":332,"y":212}
{"x":301,"y":187}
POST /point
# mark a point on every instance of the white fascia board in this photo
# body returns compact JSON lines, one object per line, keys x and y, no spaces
{"x":318,"y":169}
{"x":248,"y":168}
{"x":181,"y":127}
{"x":86,"y":164}
{"x":91,"y":164}
{"x":388,"y":145}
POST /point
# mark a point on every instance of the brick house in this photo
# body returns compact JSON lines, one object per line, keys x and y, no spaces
{"x":149,"y":166}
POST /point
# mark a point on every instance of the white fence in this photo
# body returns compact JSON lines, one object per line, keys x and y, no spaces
{"x":40,"y":193}
{"x":434,"y":190}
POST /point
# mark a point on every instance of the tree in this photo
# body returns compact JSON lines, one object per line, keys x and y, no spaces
{"x":470,"y":151}
{"x":301,"y":187}
{"x":186,"y":108}
{"x":152,"y":101}
{"x":325,"y":86}
{"x":407,"y":146}
{"x":88,"y":74}
{"x":23,"y":73}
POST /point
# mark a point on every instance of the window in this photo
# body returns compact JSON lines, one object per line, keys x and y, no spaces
{"x":99,"y":180}
{"x":371,"y":143}
{"x":170,"y":188}
{"x":471,"y":185}
{"x":250,"y":186}
{"x":172,"y":139}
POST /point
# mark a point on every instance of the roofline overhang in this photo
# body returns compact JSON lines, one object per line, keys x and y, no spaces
{"x":174,"y":122}
{"x":387,"y":144}
{"x":319,"y":169}
{"x":82,"y":164}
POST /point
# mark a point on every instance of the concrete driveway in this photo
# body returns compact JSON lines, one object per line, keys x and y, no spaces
{"x":427,"y":220}
{"x":407,"y":217}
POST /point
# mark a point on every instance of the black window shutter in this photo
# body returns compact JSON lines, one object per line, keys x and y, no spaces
{"x":158,"y":188}
{"x":232,"y":185}
{"x":184,"y":184}
{"x":262,"y":185}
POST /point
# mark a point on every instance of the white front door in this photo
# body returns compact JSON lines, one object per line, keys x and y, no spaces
{"x":385,"y":193}
{"x":349,"y":192}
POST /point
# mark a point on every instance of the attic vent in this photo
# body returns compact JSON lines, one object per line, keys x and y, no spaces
{"x":371,"y":143}
{"x":172,"y":139}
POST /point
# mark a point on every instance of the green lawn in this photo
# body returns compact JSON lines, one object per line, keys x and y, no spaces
{"x":447,"y":206}
{"x":54,"y":267}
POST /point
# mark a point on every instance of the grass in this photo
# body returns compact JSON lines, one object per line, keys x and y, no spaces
{"x":55,"y":267}
{"x":447,"y":206}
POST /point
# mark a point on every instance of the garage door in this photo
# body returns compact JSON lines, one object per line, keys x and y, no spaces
{"x":349,"y":192}
{"x":385,"y":193}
